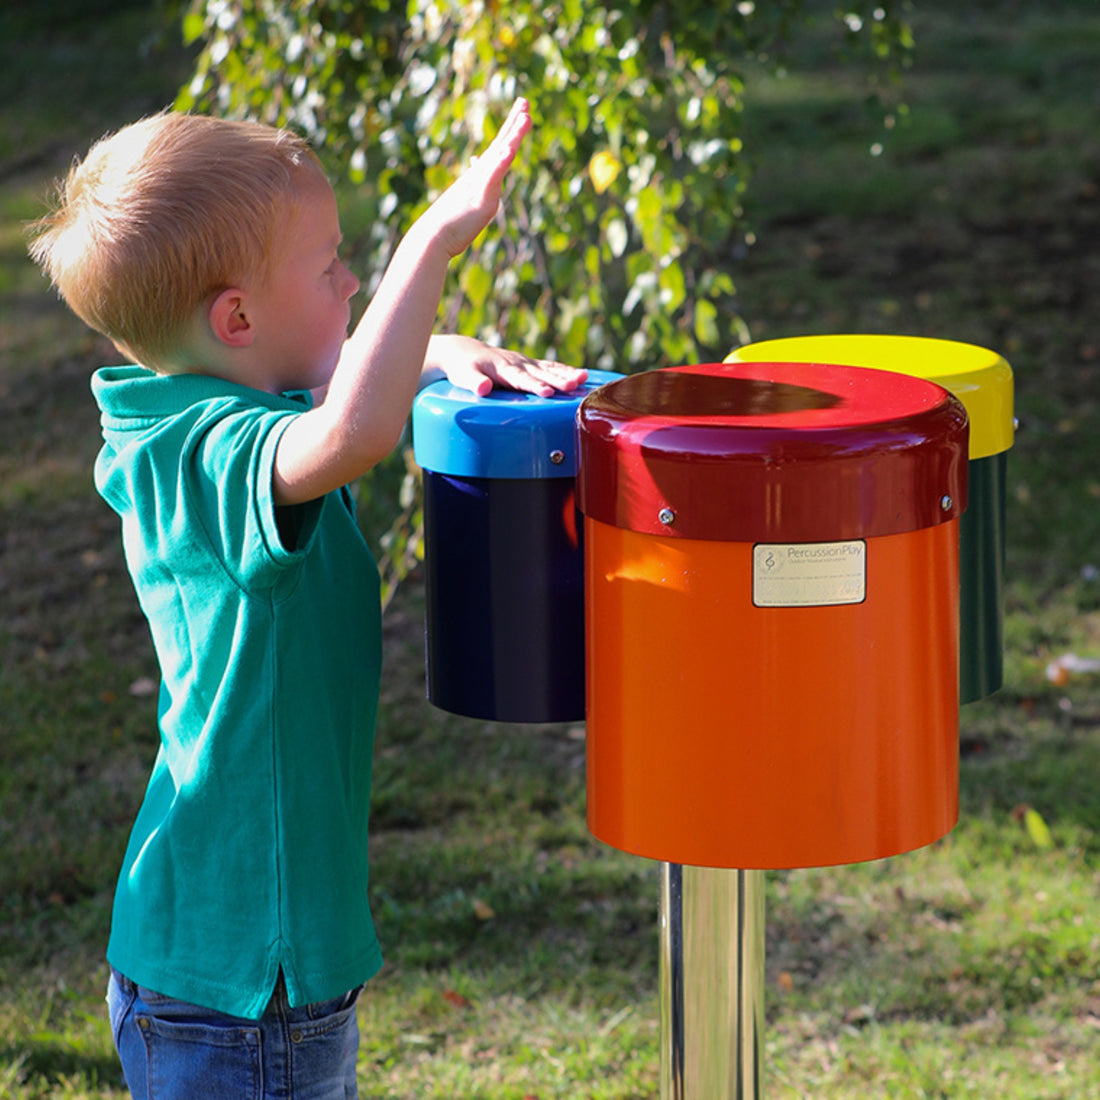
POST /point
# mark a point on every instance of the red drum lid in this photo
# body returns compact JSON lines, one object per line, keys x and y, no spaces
{"x":792,"y":452}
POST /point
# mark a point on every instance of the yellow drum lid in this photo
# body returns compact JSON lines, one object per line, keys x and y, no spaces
{"x":981,"y":379}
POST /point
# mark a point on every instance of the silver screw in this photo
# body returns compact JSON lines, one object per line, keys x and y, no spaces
{"x":946,"y":502}
{"x":667,"y":516}
{"x":557,"y":457}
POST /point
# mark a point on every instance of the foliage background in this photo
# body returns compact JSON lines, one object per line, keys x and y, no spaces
{"x":626,"y":205}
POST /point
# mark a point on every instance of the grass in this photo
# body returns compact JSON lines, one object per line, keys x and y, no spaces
{"x":521,"y":953}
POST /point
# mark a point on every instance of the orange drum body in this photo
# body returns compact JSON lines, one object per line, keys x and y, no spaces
{"x":771,"y":583}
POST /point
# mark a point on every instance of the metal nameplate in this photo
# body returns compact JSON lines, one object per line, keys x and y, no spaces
{"x":809,"y":574}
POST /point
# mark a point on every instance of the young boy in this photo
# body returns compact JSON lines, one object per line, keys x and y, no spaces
{"x":208,"y":251}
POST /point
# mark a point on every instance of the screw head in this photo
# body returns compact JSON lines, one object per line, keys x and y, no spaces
{"x":557,"y":457}
{"x":946,"y":502}
{"x":667,"y":516}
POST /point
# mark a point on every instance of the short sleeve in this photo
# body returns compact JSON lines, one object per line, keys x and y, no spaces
{"x":227,"y":477}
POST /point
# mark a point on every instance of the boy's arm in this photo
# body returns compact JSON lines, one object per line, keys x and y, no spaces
{"x":376,"y":379}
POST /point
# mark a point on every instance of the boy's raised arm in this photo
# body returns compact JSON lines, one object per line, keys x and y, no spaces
{"x":376,"y":379}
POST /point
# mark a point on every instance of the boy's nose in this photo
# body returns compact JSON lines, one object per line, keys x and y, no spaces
{"x":351,"y":283}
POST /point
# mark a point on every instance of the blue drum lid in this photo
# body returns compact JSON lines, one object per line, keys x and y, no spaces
{"x":504,"y":434}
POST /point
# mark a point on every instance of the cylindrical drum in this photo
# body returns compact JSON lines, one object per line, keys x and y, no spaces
{"x":502,"y":552}
{"x":771,"y":556}
{"x":982,"y":380}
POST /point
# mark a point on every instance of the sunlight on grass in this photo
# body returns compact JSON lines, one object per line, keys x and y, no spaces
{"x":447,"y":1034}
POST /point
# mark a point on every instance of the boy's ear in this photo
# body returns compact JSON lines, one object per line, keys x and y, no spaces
{"x":230,"y":321}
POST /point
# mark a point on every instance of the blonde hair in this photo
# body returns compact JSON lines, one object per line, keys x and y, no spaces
{"x":162,"y":214}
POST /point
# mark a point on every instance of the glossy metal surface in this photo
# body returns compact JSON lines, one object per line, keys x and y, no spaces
{"x":724,"y":734}
{"x":504,"y":579}
{"x":711,"y":983}
{"x":793,"y":452}
{"x":502,"y":551}
{"x":982,"y":580}
{"x":505,"y":433}
{"x":981,"y":379}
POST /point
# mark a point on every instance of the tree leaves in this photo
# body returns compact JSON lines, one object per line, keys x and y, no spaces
{"x":635,"y":162}
{"x":622,"y":213}
{"x":603,"y":170}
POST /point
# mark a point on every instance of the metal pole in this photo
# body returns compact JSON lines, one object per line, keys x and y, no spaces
{"x":711,"y":983}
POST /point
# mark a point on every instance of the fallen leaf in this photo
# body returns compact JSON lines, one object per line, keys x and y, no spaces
{"x":1037,"y":830}
{"x":1033,"y":822}
{"x":859,"y":1016}
{"x":483,"y":910}
{"x":1057,"y":674}
{"x":455,"y":999}
{"x":1061,"y":668}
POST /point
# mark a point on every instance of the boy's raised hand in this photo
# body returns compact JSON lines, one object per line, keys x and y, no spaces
{"x":372,"y":387}
{"x":471,"y":202}
{"x":458,"y":216}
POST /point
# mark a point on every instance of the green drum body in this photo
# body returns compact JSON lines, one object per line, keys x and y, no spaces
{"x":982,"y":580}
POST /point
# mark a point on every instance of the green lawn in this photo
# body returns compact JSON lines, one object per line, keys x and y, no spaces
{"x":522,"y":954}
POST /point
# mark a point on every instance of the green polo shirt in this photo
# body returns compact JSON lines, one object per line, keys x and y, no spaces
{"x":249,"y":853}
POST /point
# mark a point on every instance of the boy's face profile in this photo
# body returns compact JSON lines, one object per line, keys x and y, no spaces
{"x":300,"y":314}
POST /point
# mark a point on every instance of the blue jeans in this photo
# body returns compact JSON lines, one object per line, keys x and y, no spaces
{"x":171,"y":1050}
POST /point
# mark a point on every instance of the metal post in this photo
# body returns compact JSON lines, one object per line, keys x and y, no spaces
{"x":711,"y":983}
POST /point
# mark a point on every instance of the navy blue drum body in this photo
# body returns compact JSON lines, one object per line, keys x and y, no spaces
{"x":504,"y":564}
